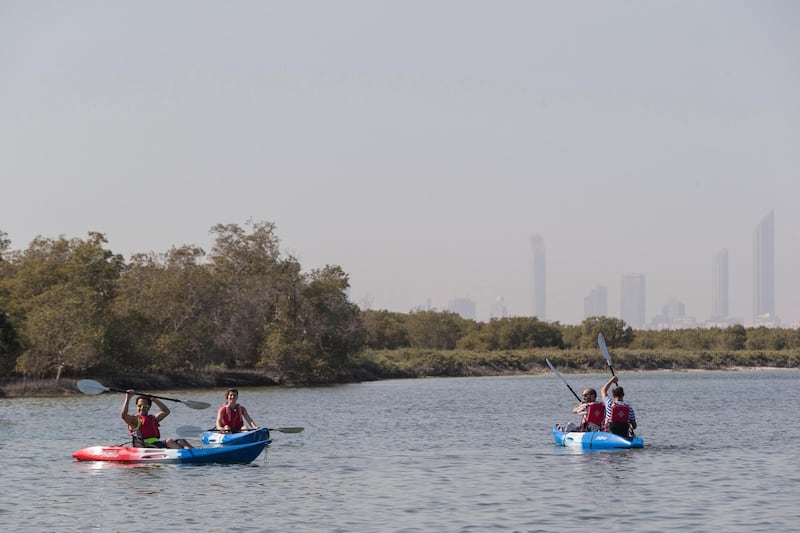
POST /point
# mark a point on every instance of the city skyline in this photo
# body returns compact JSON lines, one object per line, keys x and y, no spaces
{"x":420,"y":153}
{"x":633,"y":290}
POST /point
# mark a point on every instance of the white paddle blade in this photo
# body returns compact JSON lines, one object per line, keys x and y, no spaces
{"x":558,"y":375}
{"x":90,"y":386}
{"x":601,"y":341}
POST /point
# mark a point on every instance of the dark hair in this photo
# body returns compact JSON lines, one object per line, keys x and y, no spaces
{"x":236,"y":392}
{"x":618,"y":392}
{"x":146,"y":399}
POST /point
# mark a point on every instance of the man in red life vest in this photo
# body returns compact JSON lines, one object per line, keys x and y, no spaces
{"x":620,"y":418}
{"x":143,"y":426}
{"x":593,"y":411}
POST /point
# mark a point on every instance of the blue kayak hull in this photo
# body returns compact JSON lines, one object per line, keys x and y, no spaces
{"x":244,"y":453}
{"x":243,"y":437}
{"x":594,"y":440}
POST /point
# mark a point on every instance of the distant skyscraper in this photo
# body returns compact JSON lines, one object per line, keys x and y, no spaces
{"x":499,"y":309}
{"x":464,"y":307}
{"x":675,"y":309}
{"x":764,"y":268}
{"x":538,"y":278}
{"x":719,"y":286}
{"x":633,"y":300}
{"x":596,"y":303}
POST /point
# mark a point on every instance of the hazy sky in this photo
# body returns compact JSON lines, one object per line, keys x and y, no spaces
{"x":418,"y":144}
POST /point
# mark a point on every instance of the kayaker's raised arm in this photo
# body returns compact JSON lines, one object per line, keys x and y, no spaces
{"x":162,"y":407}
{"x":604,"y":390}
{"x":131,"y":420}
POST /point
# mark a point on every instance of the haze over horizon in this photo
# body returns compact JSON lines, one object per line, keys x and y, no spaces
{"x":419,"y":145}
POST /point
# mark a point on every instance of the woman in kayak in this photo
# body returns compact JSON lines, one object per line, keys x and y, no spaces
{"x":143,"y":426}
{"x":231,"y":415}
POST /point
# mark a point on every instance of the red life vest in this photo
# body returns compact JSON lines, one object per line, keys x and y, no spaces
{"x":147,"y":429}
{"x":620,"y":413}
{"x":595,"y":413}
{"x":232,"y":417}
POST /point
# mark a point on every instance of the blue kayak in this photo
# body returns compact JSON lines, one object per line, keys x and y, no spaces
{"x":594,"y":440}
{"x":244,"y":453}
{"x":242,"y":437}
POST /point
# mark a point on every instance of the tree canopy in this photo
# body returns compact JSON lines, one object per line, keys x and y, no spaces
{"x":74,"y":306}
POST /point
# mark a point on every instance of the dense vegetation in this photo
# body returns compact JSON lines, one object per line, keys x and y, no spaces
{"x":72,"y":307}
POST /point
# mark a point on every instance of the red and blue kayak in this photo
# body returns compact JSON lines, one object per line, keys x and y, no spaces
{"x":241,"y":453}
{"x":242,"y":437}
{"x":594,"y":440}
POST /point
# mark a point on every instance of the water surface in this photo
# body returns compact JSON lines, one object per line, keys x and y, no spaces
{"x":457,"y":454}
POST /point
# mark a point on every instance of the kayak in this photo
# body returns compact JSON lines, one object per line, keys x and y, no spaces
{"x":594,"y":440}
{"x":242,"y":453}
{"x":218,"y":437}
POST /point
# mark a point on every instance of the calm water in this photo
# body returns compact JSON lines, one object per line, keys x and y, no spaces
{"x":473,"y":454}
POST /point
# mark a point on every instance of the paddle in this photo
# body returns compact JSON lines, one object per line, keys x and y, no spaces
{"x":193,"y":431}
{"x":602,"y":342}
{"x":89,"y":386}
{"x":562,"y":379}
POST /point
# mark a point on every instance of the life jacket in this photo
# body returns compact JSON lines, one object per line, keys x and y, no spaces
{"x":595,"y":414}
{"x":232,"y":417}
{"x":617,"y":421}
{"x":146,"y":430}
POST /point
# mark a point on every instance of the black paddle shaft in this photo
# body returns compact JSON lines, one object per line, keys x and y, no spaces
{"x":148,"y":395}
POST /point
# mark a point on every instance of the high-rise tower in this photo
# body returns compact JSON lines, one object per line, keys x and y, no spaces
{"x":538,"y":278}
{"x":633,"y":300}
{"x":719,"y":286}
{"x":764,"y":269}
{"x":596,"y":303}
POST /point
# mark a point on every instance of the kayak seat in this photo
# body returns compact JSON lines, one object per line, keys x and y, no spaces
{"x":138,"y":442}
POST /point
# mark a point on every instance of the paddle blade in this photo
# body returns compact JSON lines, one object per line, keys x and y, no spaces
{"x":188,"y":431}
{"x":559,"y":376}
{"x":601,"y":341}
{"x":287,"y":430}
{"x":90,"y":386}
{"x":195,"y":405}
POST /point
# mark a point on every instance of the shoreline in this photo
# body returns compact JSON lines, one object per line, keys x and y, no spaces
{"x":154,"y":382}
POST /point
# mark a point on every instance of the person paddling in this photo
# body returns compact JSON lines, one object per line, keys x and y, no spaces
{"x":231,"y":416}
{"x":620,"y":418}
{"x":143,"y":426}
{"x":593,"y":411}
